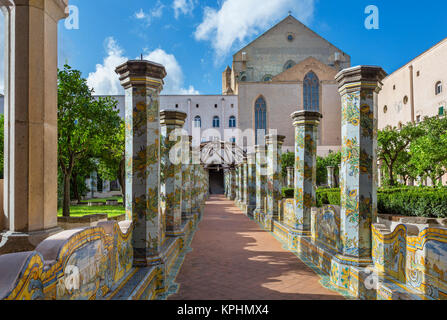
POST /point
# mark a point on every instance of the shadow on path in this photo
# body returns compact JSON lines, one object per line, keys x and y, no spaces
{"x":233,"y":259}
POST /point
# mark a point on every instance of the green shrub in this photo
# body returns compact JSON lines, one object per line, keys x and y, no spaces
{"x":334,"y":198}
{"x":407,"y":201}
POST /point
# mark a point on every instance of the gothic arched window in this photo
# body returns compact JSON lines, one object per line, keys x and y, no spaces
{"x":260,"y":116}
{"x":311,"y":92}
{"x":197,"y":122}
{"x":232,"y":122}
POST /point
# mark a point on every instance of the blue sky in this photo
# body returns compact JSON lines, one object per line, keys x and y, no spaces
{"x":195,"y":39}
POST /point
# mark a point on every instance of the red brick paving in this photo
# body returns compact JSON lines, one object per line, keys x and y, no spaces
{"x":233,"y":259}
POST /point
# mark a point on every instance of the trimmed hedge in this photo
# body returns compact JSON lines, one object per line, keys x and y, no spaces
{"x":406,"y":201}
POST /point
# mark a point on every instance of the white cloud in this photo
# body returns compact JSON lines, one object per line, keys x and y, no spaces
{"x":183,"y":7}
{"x":105,"y":81}
{"x":174,"y":80}
{"x":237,"y":20}
{"x":155,"y":12}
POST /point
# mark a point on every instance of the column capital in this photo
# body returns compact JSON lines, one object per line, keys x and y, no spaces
{"x":303,"y":117}
{"x":360,"y":77}
{"x":251,"y":158}
{"x":141,"y":73}
{"x":170,"y":117}
{"x":271,"y":138}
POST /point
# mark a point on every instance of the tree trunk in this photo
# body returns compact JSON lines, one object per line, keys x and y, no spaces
{"x":121,"y":179}
{"x":66,"y":205}
{"x":390,"y":173}
{"x":76,"y":187}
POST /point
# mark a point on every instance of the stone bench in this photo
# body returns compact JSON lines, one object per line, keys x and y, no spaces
{"x":95,"y":203}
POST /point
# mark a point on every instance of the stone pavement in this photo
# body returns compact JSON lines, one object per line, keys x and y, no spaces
{"x":232,"y":258}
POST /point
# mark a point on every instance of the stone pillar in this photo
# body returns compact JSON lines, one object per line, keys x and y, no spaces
{"x":30,"y":137}
{"x":359,"y":87}
{"x":331,"y":176}
{"x":186,"y":181}
{"x":251,"y":183}
{"x":306,"y":137}
{"x":290,"y":177}
{"x":171,"y":123}
{"x":274,"y":182}
{"x":261,"y":178}
{"x":143,"y":81}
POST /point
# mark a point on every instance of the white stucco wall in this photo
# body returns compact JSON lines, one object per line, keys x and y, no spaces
{"x":227,"y":106}
{"x":432,"y":67}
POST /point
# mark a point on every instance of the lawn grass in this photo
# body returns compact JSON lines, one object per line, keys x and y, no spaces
{"x":80,"y":211}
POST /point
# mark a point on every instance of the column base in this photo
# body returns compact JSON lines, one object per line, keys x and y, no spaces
{"x":250,"y":210}
{"x":11,"y":242}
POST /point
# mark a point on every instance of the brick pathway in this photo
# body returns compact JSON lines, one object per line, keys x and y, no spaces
{"x":233,"y":258}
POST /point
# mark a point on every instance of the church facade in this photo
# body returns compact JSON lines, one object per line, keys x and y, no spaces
{"x":288,"y":68}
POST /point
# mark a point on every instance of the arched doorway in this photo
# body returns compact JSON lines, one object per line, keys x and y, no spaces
{"x":218,"y":156}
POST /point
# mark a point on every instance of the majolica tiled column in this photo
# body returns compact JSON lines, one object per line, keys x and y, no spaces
{"x":331,"y":176}
{"x":226,"y":183}
{"x":143,"y":81}
{"x":232,"y":184}
{"x":195,"y":192}
{"x":171,"y":170}
{"x":186,"y":181}
{"x":306,"y":136}
{"x":359,"y":87}
{"x":274,"y":184}
{"x":251,"y":183}
{"x":261,"y":178}
{"x":290,"y":177}
{"x":239,"y":183}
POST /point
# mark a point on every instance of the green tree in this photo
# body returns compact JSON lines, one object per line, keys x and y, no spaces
{"x":393,"y":147}
{"x":84,"y":125}
{"x":429,"y":151}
